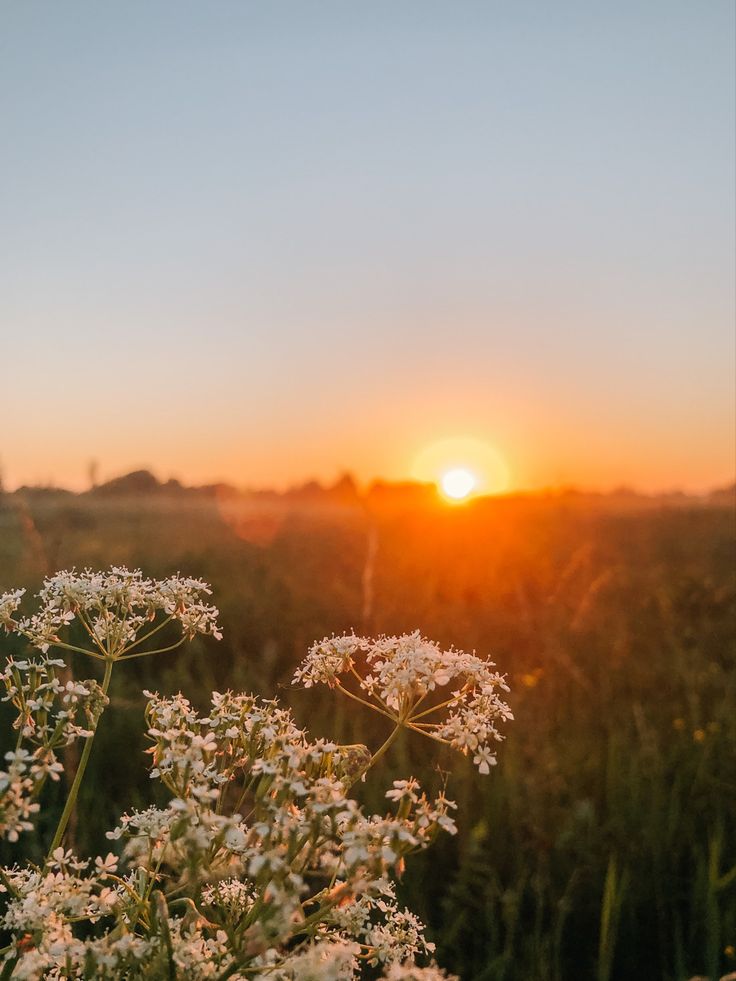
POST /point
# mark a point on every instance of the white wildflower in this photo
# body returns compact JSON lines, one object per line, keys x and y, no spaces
{"x":401,"y":677}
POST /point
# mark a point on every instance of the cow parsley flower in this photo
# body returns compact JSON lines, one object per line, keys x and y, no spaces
{"x":118,"y":610}
{"x":259,"y":864}
{"x":403,"y":679}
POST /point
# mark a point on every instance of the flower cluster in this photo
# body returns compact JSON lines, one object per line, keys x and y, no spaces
{"x":277,"y":869}
{"x":17,"y":791}
{"x":260,"y":865}
{"x":113,"y":608}
{"x":387,"y":934}
{"x":52,"y":711}
{"x":402,"y":676}
{"x":51,"y":714}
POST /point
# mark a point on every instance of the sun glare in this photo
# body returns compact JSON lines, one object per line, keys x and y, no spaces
{"x":462,"y":467}
{"x":458,"y":484}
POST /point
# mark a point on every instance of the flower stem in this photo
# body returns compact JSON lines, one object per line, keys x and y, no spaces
{"x":77,"y":782}
{"x":160,"y":650}
{"x":10,"y":888}
{"x":363,"y":701}
{"x":379,"y":753}
{"x":150,"y":633}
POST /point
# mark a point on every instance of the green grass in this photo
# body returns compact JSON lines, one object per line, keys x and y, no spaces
{"x":603,"y":846}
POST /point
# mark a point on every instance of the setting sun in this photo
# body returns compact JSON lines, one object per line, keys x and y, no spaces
{"x":461,"y":467}
{"x":458,"y":484}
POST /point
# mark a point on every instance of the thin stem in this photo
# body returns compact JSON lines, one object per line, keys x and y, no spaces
{"x":246,"y":787}
{"x":7,"y":883}
{"x":360,"y":682}
{"x":318,"y":914}
{"x":88,"y":627}
{"x":435,"y":708}
{"x":77,"y":650}
{"x":429,"y":735}
{"x":379,"y":753}
{"x":19,"y":740}
{"x":228,"y":972}
{"x":363,"y":701}
{"x":149,"y":634}
{"x":160,"y":650}
{"x":74,"y":791}
{"x":126,"y":886}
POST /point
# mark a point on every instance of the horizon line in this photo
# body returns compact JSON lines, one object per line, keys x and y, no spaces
{"x":362,"y":488}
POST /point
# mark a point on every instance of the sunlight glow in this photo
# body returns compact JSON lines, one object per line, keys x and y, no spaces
{"x":458,"y":484}
{"x":472,"y":457}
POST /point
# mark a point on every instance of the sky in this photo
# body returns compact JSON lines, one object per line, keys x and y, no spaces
{"x":263,"y":242}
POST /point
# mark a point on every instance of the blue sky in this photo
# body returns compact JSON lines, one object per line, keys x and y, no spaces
{"x":262,"y":241}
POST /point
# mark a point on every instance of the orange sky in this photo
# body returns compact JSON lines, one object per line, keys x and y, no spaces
{"x":540,"y":446}
{"x":254,"y":247}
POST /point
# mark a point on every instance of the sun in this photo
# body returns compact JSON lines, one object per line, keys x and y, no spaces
{"x":458,"y":483}
{"x":462,"y":467}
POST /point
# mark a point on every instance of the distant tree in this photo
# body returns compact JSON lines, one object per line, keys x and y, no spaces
{"x":344,"y":489}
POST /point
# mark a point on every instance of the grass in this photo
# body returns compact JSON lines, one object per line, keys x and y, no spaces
{"x":603,"y":846}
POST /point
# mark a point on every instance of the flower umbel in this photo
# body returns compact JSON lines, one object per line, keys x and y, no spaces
{"x":448,"y":695}
{"x":118,"y":610}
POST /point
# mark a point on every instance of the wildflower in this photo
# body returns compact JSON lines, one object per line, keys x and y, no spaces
{"x":259,"y":865}
{"x":484,"y":759}
{"x":107,"y":865}
{"x":9,"y":603}
{"x":397,"y":675}
{"x":116,"y":609}
{"x":403,"y":789}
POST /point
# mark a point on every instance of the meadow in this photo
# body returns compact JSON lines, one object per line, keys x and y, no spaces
{"x":603,"y":845}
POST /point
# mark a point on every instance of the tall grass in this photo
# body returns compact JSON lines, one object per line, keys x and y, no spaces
{"x":604,"y":845}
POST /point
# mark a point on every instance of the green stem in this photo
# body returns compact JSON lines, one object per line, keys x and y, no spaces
{"x":8,"y":884}
{"x":74,"y":791}
{"x":377,"y":697}
{"x":318,"y":914}
{"x":363,"y":701}
{"x":429,"y":735}
{"x":160,"y":650}
{"x":435,"y":708}
{"x":150,"y":633}
{"x":77,"y":650}
{"x":379,"y":753}
{"x":88,"y":627}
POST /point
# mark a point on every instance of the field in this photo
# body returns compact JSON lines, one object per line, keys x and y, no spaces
{"x":603,"y":845}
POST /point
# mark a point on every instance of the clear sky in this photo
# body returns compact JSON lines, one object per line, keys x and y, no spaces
{"x":265,"y":241}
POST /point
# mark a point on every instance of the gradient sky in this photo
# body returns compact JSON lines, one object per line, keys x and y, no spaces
{"x":264,"y":241}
